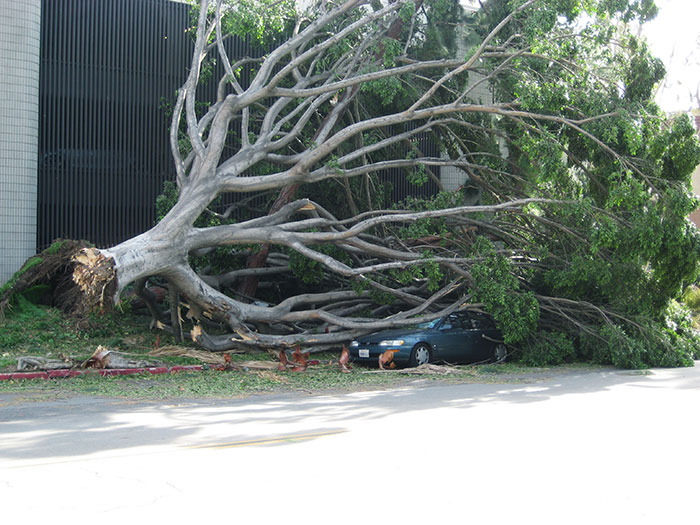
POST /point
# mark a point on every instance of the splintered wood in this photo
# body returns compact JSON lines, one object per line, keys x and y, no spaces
{"x":105,"y":358}
{"x":95,"y":276}
{"x":209,"y":358}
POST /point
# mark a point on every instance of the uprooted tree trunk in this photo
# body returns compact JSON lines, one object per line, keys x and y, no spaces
{"x":163,"y":251}
{"x":50,"y":275}
{"x":293,"y":125}
{"x":102,"y":274}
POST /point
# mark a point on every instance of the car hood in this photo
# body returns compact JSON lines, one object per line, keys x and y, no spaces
{"x":401,"y":333}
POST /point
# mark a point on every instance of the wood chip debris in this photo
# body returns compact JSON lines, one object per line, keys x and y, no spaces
{"x":430,"y":369}
{"x":209,"y":358}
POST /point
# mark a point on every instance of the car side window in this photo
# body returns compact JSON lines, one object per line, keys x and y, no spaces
{"x":480,"y":322}
{"x":453,"y":322}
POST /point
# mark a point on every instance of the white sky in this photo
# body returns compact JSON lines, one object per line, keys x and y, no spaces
{"x":674,"y":37}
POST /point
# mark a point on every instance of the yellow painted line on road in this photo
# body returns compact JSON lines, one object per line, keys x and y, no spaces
{"x":287,"y":438}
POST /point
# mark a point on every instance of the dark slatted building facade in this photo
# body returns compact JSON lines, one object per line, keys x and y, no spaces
{"x":108,"y":71}
{"x":109,"y":68}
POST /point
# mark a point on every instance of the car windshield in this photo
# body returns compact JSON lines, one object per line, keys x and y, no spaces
{"x":428,"y":325}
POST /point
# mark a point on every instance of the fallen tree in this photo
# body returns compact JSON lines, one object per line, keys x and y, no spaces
{"x":583,"y":187}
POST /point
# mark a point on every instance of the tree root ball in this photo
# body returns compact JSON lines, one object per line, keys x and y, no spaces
{"x":96,"y":278}
{"x":78,"y":279}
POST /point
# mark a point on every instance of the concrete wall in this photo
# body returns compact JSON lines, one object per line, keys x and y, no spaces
{"x":19,"y":114}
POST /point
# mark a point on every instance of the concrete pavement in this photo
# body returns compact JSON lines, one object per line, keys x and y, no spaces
{"x":596,"y":447}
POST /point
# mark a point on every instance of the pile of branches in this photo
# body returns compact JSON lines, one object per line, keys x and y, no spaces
{"x":572,"y":217}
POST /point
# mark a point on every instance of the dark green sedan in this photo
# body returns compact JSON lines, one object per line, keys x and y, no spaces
{"x":464,"y":337}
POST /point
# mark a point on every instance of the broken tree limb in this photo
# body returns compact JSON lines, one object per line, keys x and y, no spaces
{"x":104,"y":358}
{"x":30,"y":363}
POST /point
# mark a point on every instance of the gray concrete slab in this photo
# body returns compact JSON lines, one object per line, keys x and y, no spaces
{"x":596,"y":447}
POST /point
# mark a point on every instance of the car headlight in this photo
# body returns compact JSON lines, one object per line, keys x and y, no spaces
{"x":391,"y":342}
{"x":355,"y":343}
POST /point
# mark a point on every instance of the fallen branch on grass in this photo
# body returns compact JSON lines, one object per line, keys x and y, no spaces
{"x":104,"y":358}
{"x":31,"y":363}
{"x":204,"y":356}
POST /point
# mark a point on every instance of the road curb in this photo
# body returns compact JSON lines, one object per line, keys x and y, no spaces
{"x":66,"y":374}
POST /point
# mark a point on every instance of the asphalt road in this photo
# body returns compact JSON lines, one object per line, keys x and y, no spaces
{"x":590,"y":448}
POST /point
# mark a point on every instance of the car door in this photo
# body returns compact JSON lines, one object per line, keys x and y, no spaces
{"x":452,"y":338}
{"x":483,"y":337}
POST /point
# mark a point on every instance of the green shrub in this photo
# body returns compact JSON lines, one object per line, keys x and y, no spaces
{"x":673,"y":344}
{"x":593,"y":347}
{"x":30,"y":263}
{"x":625,"y":352}
{"x":496,"y":285}
{"x":548,"y":349}
{"x":25,"y":310}
{"x":56,"y":246}
{"x":691,"y":299}
{"x":680,"y":335}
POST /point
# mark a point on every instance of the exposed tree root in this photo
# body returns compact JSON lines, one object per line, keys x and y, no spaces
{"x":96,"y":279}
{"x":55,"y":268}
{"x":182,"y":351}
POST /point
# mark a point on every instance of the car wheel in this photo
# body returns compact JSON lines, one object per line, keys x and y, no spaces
{"x":420,"y":355}
{"x":499,"y":353}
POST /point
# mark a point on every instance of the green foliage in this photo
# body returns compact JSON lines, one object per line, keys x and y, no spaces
{"x":625,"y":351}
{"x":495,"y":284}
{"x":305,"y":269}
{"x":29,"y":263}
{"x":55,"y":247}
{"x":429,"y":271}
{"x":673,"y":342}
{"x":430,"y":226}
{"x":166,"y":200}
{"x":311,"y":272}
{"x":385,"y":89}
{"x":407,"y":11}
{"x":432,"y":271}
{"x":620,"y":246}
{"x":691,"y":299}
{"x":547,"y":348}
{"x":682,"y":333}
{"x":624,"y":243}
{"x":663,"y":348}
{"x":678,"y":150}
{"x":419,"y":175}
{"x":261,"y":20}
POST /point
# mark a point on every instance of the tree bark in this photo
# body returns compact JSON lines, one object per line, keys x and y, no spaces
{"x":249,"y":285}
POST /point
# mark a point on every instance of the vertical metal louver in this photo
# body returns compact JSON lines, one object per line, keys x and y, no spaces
{"x":109,"y":69}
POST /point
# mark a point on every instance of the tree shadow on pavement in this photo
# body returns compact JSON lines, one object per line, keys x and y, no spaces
{"x":78,"y":427}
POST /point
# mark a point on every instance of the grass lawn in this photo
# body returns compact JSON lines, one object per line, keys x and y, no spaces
{"x":44,"y":332}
